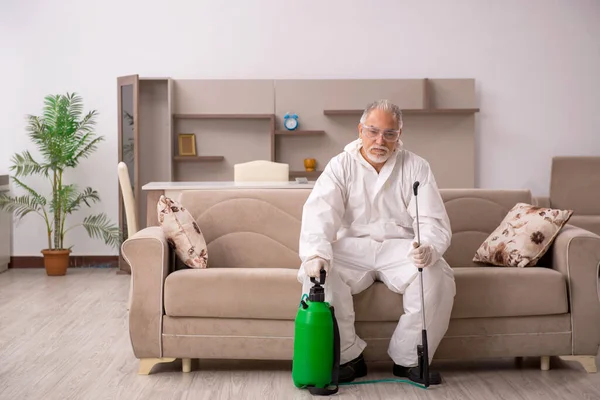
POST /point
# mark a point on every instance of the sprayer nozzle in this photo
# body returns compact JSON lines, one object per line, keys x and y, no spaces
{"x":415,"y":187}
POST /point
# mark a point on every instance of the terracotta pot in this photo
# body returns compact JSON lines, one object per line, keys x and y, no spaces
{"x":309,"y":164}
{"x":56,"y":262}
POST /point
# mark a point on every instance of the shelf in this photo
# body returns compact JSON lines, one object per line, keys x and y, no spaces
{"x":299,"y":133}
{"x":429,"y":111}
{"x":153,"y":79}
{"x":223,"y":116}
{"x":198,"y":158}
{"x":308,"y":175}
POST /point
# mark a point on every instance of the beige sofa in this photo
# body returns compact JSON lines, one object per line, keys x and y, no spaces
{"x":243,"y":306}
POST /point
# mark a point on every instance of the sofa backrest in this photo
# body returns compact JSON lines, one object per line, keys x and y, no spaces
{"x":474,"y":214}
{"x":261,"y":227}
{"x":257,"y":228}
{"x":575,"y":184}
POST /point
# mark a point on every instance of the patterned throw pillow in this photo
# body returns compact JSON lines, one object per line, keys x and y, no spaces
{"x":182,"y":232}
{"x":523,"y":237}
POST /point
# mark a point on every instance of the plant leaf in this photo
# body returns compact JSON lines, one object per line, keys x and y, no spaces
{"x":85,"y":149}
{"x":39,"y":199}
{"x":24,"y":165}
{"x":99,"y":226}
{"x":85,"y":197}
{"x":21,"y":205}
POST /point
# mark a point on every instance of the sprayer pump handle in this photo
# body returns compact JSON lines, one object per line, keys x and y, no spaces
{"x":322,"y":276}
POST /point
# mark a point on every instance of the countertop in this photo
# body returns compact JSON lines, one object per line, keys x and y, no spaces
{"x":226,"y":185}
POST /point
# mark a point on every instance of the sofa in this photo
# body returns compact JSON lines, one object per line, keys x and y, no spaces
{"x":575,"y":185}
{"x":244,"y":304}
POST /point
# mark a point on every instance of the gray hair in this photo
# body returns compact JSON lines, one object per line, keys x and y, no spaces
{"x":384,"y":105}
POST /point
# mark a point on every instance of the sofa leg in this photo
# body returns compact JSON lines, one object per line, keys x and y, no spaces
{"x":186,"y":364}
{"x":545,"y":363}
{"x":146,"y":364}
{"x":587,"y":362}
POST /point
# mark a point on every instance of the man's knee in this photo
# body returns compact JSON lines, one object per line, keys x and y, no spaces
{"x":439,"y":276}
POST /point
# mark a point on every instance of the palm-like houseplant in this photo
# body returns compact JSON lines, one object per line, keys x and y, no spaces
{"x":64,"y":136}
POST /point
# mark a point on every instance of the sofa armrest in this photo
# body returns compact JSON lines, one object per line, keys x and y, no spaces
{"x":576,"y":254}
{"x":147,"y":252}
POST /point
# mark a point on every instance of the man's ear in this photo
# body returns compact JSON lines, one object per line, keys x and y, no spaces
{"x":359,"y":127}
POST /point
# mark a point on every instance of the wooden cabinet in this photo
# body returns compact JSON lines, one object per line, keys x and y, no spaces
{"x":239,"y":120}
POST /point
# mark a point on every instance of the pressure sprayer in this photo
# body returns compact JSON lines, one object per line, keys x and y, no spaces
{"x":316,"y":361}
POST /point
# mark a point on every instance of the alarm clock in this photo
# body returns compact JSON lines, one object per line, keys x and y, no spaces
{"x":290,"y":121}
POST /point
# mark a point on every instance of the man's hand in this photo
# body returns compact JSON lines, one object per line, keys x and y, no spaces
{"x":313,"y":266}
{"x":421,"y":255}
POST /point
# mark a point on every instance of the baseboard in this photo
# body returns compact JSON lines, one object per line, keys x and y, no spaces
{"x":74,"y":261}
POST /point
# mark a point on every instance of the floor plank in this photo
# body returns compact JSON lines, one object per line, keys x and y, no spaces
{"x":66,"y":338}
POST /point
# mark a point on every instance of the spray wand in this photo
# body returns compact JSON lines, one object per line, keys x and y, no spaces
{"x":423,"y":348}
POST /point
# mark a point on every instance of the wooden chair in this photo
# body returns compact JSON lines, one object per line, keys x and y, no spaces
{"x":261,"y":171}
{"x":130,"y":211}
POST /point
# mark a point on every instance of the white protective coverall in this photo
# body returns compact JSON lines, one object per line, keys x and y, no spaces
{"x":364,"y":223}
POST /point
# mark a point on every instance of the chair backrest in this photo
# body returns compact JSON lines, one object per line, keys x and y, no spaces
{"x":575,"y":184}
{"x":261,"y":171}
{"x":128,"y":200}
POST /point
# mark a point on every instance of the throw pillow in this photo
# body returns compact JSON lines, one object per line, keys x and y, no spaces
{"x":523,"y":237}
{"x":182,"y":232}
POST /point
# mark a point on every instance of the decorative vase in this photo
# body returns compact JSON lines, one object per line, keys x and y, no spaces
{"x":309,"y":164}
{"x":56,"y":262}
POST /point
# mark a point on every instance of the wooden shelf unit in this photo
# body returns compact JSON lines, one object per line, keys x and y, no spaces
{"x":224,"y":116}
{"x":241,"y":119}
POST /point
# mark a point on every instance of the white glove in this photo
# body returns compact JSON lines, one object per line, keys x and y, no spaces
{"x":422,"y":256}
{"x":313,"y":266}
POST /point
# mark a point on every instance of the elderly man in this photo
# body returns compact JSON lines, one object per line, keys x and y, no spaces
{"x":359,"y":225}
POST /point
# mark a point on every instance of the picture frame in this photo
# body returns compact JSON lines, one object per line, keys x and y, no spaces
{"x":187,"y":144}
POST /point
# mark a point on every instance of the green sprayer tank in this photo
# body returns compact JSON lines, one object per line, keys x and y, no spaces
{"x":316,"y":342}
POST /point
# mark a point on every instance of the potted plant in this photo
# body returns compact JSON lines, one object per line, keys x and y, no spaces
{"x":64,"y":136}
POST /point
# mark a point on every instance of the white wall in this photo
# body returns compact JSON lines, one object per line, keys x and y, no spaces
{"x":536,"y":62}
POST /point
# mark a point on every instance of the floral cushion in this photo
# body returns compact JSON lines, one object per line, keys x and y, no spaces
{"x":523,"y":237}
{"x":182,"y":232}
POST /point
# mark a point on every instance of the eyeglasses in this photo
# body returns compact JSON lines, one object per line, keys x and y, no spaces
{"x":372,"y":132}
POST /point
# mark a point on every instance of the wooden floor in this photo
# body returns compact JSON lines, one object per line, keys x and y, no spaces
{"x":66,"y":338}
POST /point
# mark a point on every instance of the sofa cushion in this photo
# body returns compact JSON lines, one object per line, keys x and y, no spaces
{"x":182,"y":232}
{"x":523,"y":236}
{"x":268,"y":293}
{"x":243,"y":293}
{"x":480,"y":292}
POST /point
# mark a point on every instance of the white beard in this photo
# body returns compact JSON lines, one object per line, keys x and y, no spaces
{"x":379,"y":158}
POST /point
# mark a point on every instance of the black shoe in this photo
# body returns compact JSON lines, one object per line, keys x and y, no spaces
{"x":351,"y":370}
{"x":412,"y":373}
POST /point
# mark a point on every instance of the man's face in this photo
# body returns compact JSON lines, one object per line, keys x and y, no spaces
{"x":379,"y":126}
